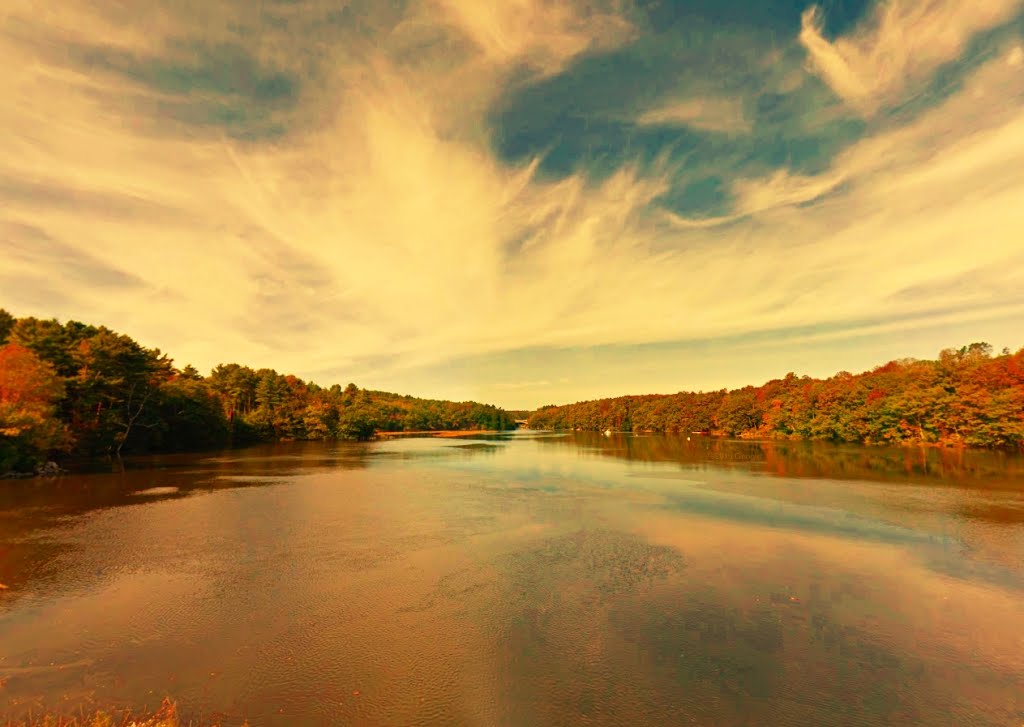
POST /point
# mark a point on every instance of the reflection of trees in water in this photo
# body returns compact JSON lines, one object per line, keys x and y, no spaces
{"x":820,"y":460}
{"x":29,"y":506}
{"x":1000,"y":513}
{"x":183,"y":473}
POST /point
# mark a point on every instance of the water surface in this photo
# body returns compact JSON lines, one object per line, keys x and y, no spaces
{"x":529,"y":579}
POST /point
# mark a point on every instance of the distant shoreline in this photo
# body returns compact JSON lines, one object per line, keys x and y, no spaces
{"x":762,"y":438}
{"x":51,"y":470}
{"x":439,"y":433}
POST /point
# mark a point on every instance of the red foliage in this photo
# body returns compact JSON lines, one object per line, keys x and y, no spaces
{"x":875,"y":395}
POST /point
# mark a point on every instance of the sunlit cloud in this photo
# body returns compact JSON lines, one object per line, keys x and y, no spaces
{"x":902,"y":42}
{"x":541,"y":34}
{"x":337,"y":209}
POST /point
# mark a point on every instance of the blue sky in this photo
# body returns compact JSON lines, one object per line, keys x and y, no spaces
{"x":522,"y":202}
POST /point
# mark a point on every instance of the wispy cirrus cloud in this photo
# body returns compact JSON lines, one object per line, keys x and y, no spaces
{"x":323,"y":191}
{"x":901,"y":44}
{"x":540,"y":34}
{"x":711,"y":114}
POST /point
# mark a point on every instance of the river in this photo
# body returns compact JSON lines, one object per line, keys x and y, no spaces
{"x":529,"y":579}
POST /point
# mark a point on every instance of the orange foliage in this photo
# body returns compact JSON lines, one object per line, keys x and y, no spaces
{"x":966,"y":397}
{"x":29,"y":389}
{"x":25,"y":380}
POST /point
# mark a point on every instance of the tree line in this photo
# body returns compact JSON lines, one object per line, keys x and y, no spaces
{"x":80,"y":390}
{"x":966,"y":397}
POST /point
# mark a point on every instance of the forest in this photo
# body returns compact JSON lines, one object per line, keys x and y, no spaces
{"x":75,"y":390}
{"x":72,"y":390}
{"x":965,"y":397}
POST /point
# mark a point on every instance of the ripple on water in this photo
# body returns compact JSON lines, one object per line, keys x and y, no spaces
{"x":432,"y":592}
{"x":555,"y":658}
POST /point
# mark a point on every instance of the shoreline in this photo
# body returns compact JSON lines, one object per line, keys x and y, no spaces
{"x":902,"y":443}
{"x":51,"y":469}
{"x":47,"y":469}
{"x":440,"y":433}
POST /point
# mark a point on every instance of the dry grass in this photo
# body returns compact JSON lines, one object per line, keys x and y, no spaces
{"x":166,"y":716}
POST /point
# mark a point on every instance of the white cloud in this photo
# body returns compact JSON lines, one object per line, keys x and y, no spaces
{"x":542,"y":34}
{"x":892,"y":159}
{"x":783,"y":188}
{"x":710,"y":114}
{"x":903,"y":42}
{"x":391,"y":237}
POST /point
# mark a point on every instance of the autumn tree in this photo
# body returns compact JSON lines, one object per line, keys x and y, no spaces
{"x":116,"y":395}
{"x":967,"y":396}
{"x":29,"y":390}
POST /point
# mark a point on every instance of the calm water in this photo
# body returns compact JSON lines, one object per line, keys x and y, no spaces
{"x":526,"y":580}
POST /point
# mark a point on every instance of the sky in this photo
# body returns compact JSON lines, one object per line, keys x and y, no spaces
{"x":522,"y":202}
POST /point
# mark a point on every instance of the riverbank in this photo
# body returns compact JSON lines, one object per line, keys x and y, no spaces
{"x":441,"y":433}
{"x":762,"y":436}
{"x":49,"y":469}
{"x":52,"y":469}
